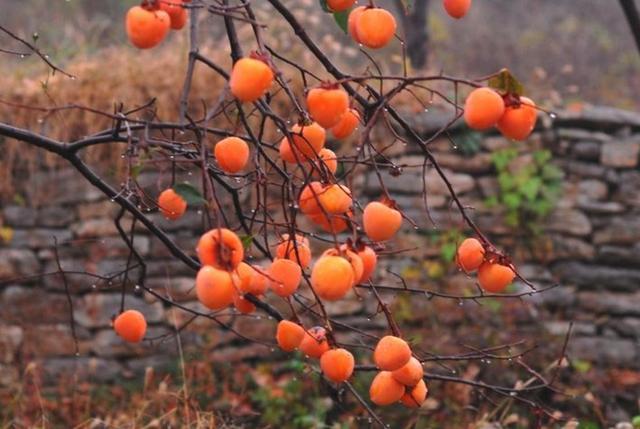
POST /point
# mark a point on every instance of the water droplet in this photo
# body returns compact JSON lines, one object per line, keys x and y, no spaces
{"x":553,"y":115}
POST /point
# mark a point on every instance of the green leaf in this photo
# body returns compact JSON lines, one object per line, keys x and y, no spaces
{"x":506,"y":83}
{"x":530,"y":188}
{"x":448,"y":251}
{"x":342,"y":19}
{"x":541,"y":156}
{"x":635,"y":421}
{"x":190,"y":194}
{"x":491,"y":202}
{"x":506,"y":181}
{"x":588,"y":425}
{"x":247,"y":240}
{"x":512,"y":200}
{"x":324,"y":5}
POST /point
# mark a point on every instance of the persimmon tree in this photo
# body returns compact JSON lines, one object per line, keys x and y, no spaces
{"x":317,"y":198}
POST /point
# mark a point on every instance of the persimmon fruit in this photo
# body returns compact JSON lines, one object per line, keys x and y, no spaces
{"x":232,"y":154}
{"x":130,"y":325}
{"x":339,"y":5}
{"x":483,"y":108}
{"x":354,"y":15}
{"x":250,"y":79}
{"x":415,"y":396}
{"x":470,"y":255}
{"x":347,"y":124}
{"x":369,"y":261}
{"x":284,"y":277}
{"x":146,"y":28}
{"x":308,"y":139}
{"x":335,"y":199}
{"x":176,"y":12}
{"x":171,"y":204}
{"x":391,"y":353}
{"x":410,"y":373}
{"x":385,"y":390}
{"x":252,"y":279}
{"x":328,"y":159}
{"x":216,"y":288}
{"x":296,"y":250}
{"x":314,"y":342}
{"x":456,"y":8}
{"x":332,"y":277}
{"x":375,"y":27}
{"x":380,"y":222}
{"x":328,"y":105}
{"x":518,"y":121}
{"x":289,"y":335}
{"x":221,"y":248}
{"x":337,"y":365}
{"x":495,"y":277}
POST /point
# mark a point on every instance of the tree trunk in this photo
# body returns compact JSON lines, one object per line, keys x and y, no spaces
{"x":415,"y":24}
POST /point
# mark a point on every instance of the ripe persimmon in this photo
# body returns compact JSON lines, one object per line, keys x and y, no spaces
{"x":287,"y":154}
{"x":409,"y":374}
{"x":415,"y":397}
{"x":309,"y":198}
{"x":296,"y":250}
{"x":375,"y":27}
{"x":250,"y":79}
{"x":131,"y":326}
{"x":352,"y":257}
{"x":171,"y":204}
{"x":456,"y":8}
{"x":470,"y":255}
{"x":176,"y":12}
{"x":337,"y":365}
{"x":380,"y":222}
{"x":352,"y":20}
{"x":284,"y":277}
{"x":221,"y":248}
{"x":369,"y":261}
{"x":483,"y":108}
{"x":385,"y":390}
{"x":332,"y":277}
{"x":327,"y":105}
{"x":328,"y":159}
{"x":216,"y":288}
{"x":339,"y":5}
{"x":391,"y":353}
{"x":146,"y":28}
{"x":335,"y":199}
{"x":518,"y":121}
{"x":289,"y":335}
{"x":252,"y":279}
{"x":347,"y":124}
{"x":243,"y":305}
{"x":308,"y":139}
{"x":314,"y":342}
{"x":494,"y":277}
{"x":334,"y":224}
{"x":232,"y":154}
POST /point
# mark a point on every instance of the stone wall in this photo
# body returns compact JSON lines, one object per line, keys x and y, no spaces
{"x":593,"y":252}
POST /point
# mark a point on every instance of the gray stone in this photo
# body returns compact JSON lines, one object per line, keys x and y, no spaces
{"x":628,"y":190}
{"x":617,"y":304}
{"x":560,"y":328}
{"x":37,"y":238}
{"x":488,"y":185}
{"x":616,"y":255}
{"x":21,"y":305}
{"x":96,"y":228}
{"x":619,"y":230}
{"x":583,"y":169}
{"x":8,"y":375}
{"x":598,"y":117}
{"x":17,"y":216}
{"x":571,"y":248}
{"x":158,"y":364}
{"x":10,"y":340}
{"x":601,"y":207}
{"x":95,"y":310}
{"x":605,"y":351}
{"x":59,"y":370}
{"x":568,"y":221}
{"x":476,"y":164}
{"x":53,"y":340}
{"x":620,"y":154}
{"x":626,"y":327}
{"x":64,"y":187}
{"x":596,"y":276}
{"x":17,"y":262}
{"x":587,"y":151}
{"x":179,"y":288}
{"x":461,"y":183}
{"x":107,"y":344}
{"x":104,"y":208}
{"x":561,"y":297}
{"x":582,"y":135}
{"x":55,"y":216}
{"x":593,"y":189}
